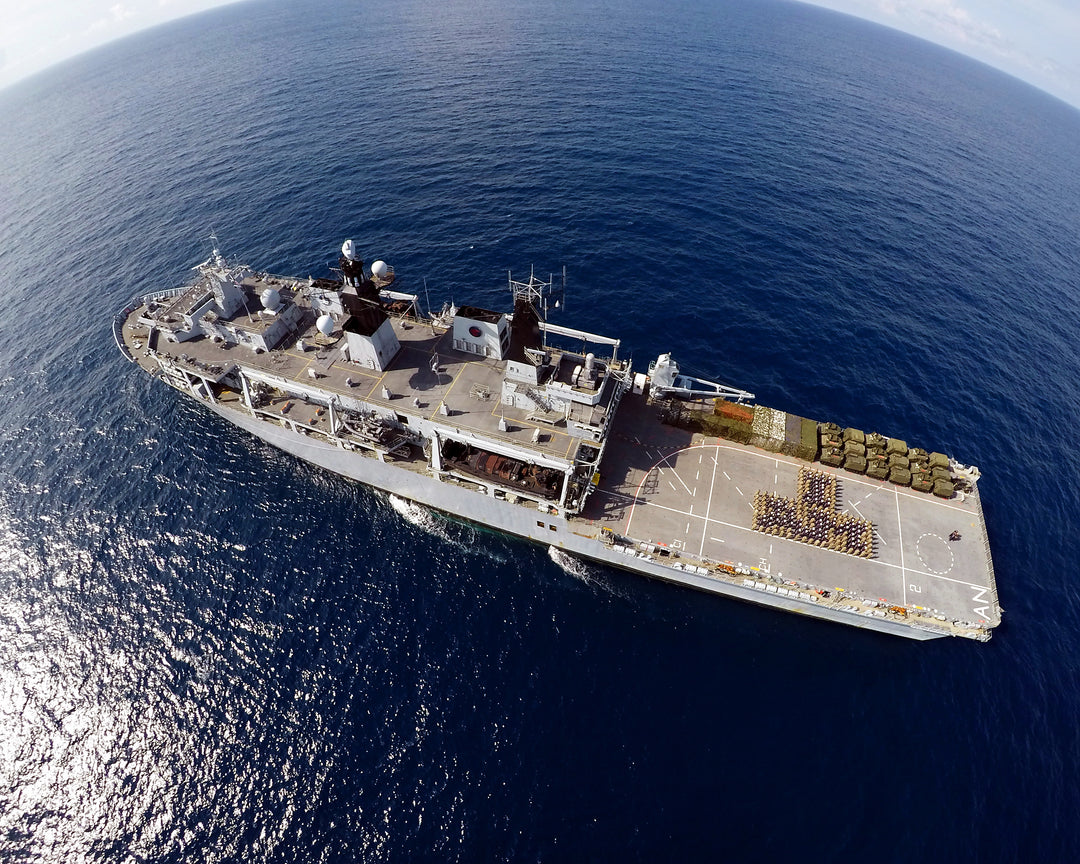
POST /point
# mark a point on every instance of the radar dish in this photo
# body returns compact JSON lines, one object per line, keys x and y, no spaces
{"x":348,"y":249}
{"x":378,"y":269}
{"x":325,"y":324}
{"x":271,"y":299}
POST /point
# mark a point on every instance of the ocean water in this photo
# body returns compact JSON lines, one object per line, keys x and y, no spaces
{"x":211,"y":652}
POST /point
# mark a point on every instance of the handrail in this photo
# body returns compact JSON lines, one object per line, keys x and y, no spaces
{"x":120,"y":317}
{"x":118,"y":327}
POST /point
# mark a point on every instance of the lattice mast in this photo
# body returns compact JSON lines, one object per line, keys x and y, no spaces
{"x":542,"y":296}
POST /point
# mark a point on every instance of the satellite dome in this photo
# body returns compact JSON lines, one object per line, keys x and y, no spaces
{"x":348,"y":249}
{"x":325,"y":324}
{"x":271,"y":299}
{"x":378,"y":269}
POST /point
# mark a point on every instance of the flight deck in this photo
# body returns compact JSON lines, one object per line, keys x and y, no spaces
{"x":694,"y":498}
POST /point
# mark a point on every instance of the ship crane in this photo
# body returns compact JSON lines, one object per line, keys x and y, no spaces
{"x":666,"y":381}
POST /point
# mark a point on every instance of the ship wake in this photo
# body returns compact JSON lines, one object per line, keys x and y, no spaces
{"x":419,"y":516}
{"x":461,"y":536}
{"x":594,"y":577}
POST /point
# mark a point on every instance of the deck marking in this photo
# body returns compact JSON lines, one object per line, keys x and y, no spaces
{"x":709,"y":522}
{"x":872,"y":526}
{"x":737,"y":489}
{"x":980,"y":598}
{"x":672,"y":485}
{"x":945,"y":578}
{"x":431,"y":416}
{"x":637,"y":498}
{"x":677,"y":477}
{"x":687,"y":531}
{"x":708,"y":509}
{"x":914,"y":578}
{"x":922,"y":559}
{"x":900,"y":534}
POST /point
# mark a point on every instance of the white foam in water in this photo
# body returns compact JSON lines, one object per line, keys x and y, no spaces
{"x":592,"y":576}
{"x":420,"y":516}
{"x":570,"y":564}
{"x":459,"y":535}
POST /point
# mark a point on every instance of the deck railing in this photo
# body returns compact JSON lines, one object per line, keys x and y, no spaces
{"x":120,"y":317}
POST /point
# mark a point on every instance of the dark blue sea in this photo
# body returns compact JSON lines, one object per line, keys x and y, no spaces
{"x":212,"y":652}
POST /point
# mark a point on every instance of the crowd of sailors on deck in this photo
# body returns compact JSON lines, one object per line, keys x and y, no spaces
{"x":811,"y":517}
{"x":816,"y":488}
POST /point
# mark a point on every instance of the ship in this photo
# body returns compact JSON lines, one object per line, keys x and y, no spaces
{"x":547,"y":433}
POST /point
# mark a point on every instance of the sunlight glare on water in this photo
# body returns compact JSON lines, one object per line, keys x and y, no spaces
{"x":211,"y":652}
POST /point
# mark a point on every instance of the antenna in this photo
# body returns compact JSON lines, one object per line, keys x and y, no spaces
{"x":214,"y":254}
{"x":243,"y":298}
{"x":538,"y":292}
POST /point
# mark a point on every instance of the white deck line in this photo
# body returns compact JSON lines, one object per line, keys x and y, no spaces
{"x":900,"y":534}
{"x":949,"y":579}
{"x":877,"y":534}
{"x":846,"y":476}
{"x":684,"y":486}
{"x":868,"y":561}
{"x":708,"y":506}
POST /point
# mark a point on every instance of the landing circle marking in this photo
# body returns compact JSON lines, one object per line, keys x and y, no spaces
{"x":935,"y":554}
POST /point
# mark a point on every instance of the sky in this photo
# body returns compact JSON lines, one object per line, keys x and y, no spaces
{"x":35,"y":34}
{"x":1037,"y":41}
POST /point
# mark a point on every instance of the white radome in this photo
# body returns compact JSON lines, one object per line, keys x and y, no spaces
{"x":378,"y":269}
{"x":271,"y":299}
{"x":325,"y":323}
